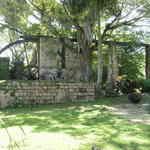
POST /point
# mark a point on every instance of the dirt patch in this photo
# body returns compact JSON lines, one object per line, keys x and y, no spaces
{"x":134,"y":112}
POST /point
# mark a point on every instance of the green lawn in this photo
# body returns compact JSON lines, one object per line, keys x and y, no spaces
{"x":71,"y":126}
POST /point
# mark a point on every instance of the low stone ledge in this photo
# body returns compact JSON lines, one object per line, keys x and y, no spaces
{"x":13,"y":93}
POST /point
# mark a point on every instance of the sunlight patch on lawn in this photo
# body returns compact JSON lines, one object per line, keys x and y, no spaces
{"x":128,"y":138}
{"x":10,"y":136}
{"x":54,"y":141}
{"x":2,"y":81}
{"x":39,"y":141}
{"x":110,"y":147}
{"x":79,"y":126}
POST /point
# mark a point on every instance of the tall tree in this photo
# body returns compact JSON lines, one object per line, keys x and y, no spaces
{"x":81,"y":19}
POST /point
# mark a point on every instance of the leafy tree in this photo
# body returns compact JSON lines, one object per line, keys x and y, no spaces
{"x":85,"y":20}
{"x":132,"y":56}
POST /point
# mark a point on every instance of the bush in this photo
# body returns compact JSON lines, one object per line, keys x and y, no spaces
{"x":125,"y":85}
{"x":144,"y":85}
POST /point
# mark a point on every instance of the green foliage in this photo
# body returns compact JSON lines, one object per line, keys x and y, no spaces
{"x":144,"y":85}
{"x":131,"y":61}
{"x":125,"y":84}
{"x":78,"y":6}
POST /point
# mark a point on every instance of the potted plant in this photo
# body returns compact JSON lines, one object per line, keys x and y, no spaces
{"x":136,"y":96}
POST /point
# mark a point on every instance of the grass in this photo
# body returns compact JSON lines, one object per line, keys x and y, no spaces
{"x":71,"y":126}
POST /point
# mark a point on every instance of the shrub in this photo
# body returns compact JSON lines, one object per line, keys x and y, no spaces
{"x":144,"y":85}
{"x":125,"y":85}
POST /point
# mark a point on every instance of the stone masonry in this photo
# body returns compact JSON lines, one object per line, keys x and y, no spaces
{"x":18,"y":93}
{"x":57,"y":62}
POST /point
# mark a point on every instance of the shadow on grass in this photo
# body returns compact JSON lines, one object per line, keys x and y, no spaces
{"x":81,"y":119}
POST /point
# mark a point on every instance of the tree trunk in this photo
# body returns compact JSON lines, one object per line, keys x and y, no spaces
{"x":85,"y":53}
{"x":100,"y":57}
{"x":147,"y":69}
{"x":112,"y":68}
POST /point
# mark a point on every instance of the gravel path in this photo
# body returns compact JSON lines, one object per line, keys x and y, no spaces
{"x":134,"y":112}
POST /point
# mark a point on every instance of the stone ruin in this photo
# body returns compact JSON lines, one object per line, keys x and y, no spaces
{"x":54,"y":59}
{"x":57,"y":62}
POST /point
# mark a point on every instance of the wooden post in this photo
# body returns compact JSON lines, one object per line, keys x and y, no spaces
{"x":112,"y":68}
{"x":147,"y":69}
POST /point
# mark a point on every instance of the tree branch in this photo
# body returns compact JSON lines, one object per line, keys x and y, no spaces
{"x":17,"y":42}
{"x":112,"y":27}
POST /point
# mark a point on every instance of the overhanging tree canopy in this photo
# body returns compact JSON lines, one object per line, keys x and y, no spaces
{"x":73,"y":19}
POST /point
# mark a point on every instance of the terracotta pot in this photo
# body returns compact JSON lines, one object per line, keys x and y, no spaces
{"x":135,"y":97}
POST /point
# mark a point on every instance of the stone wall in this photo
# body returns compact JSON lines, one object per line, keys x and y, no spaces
{"x":59,"y":63}
{"x":48,"y":63}
{"x":18,"y":93}
{"x":73,"y":67}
